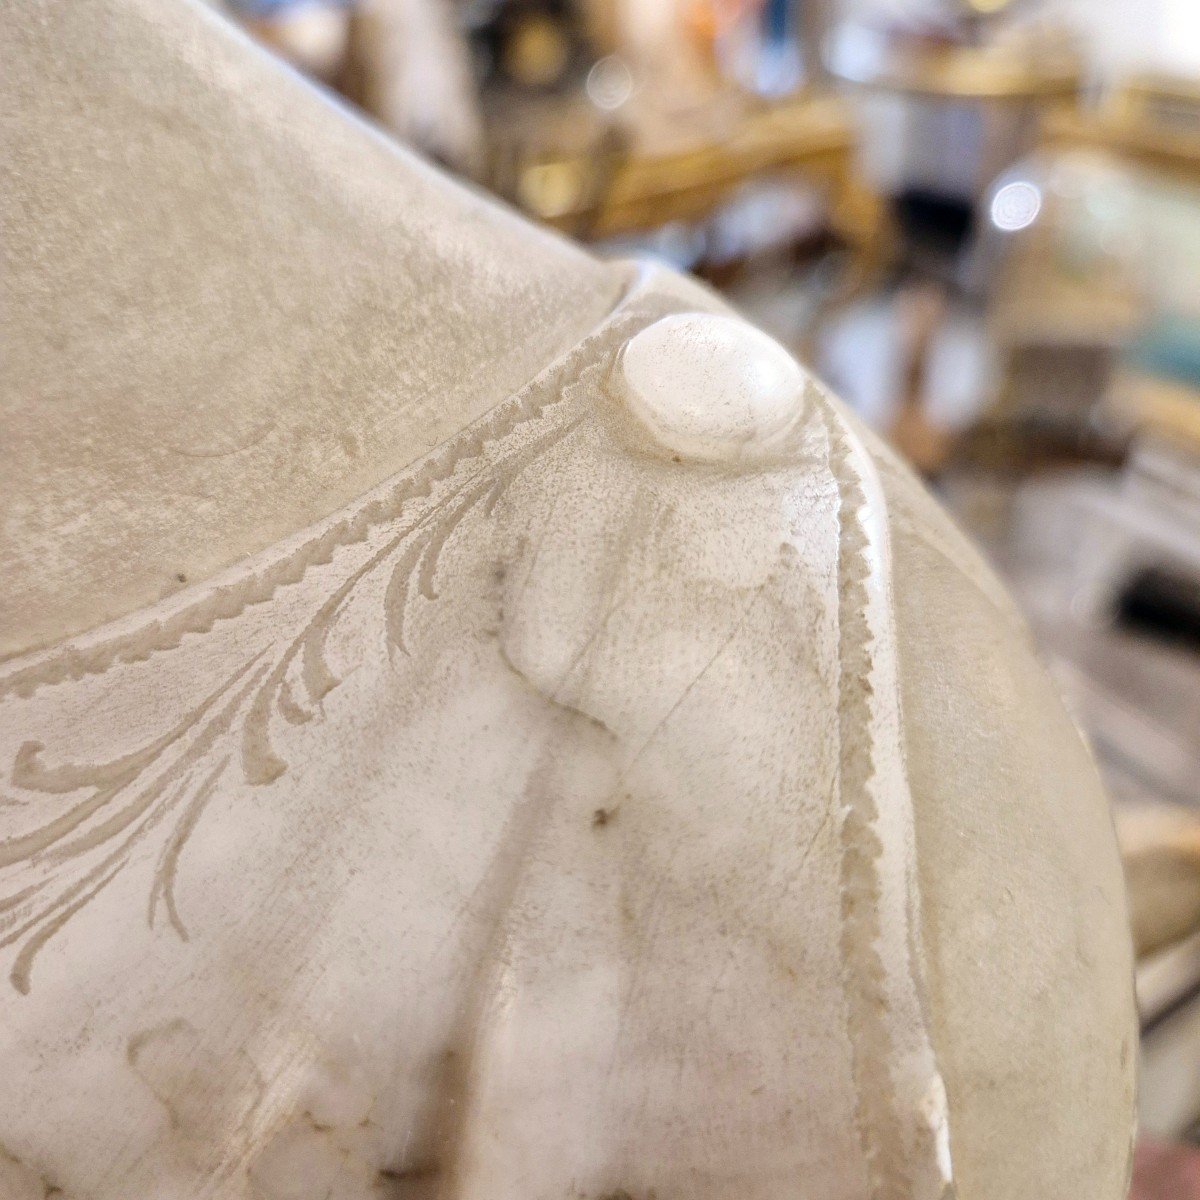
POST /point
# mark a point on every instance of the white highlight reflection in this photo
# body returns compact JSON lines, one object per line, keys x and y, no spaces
{"x":610,"y":83}
{"x":1016,"y":205}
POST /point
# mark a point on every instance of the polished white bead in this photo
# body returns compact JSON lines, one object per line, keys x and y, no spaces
{"x":711,"y":387}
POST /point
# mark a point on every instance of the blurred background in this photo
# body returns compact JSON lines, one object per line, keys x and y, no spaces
{"x":979,"y":221}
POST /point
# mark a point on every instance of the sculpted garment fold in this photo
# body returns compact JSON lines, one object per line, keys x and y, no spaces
{"x":543,"y":824}
{"x":481,"y":723}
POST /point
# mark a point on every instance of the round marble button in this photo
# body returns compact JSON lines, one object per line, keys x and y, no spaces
{"x":709,"y":386}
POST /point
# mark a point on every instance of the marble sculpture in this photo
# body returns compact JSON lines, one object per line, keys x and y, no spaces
{"x":481,"y":722}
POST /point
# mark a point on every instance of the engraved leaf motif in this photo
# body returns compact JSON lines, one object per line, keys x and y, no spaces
{"x":76,"y":854}
{"x":112,"y":808}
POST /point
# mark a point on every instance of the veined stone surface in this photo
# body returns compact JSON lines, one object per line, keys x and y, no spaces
{"x":645,"y":793}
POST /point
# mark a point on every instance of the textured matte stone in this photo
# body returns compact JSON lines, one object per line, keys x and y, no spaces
{"x":481,"y":723}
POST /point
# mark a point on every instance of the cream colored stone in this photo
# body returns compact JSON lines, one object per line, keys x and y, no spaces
{"x":511,"y":811}
{"x":229,"y":307}
{"x":710,"y":386}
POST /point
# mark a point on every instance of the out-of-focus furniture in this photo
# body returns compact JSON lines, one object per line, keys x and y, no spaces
{"x":947,"y":101}
{"x":948,"y":104}
{"x":948,"y":70}
{"x":1102,"y":262}
{"x":1151,"y":120}
{"x":567,"y":165}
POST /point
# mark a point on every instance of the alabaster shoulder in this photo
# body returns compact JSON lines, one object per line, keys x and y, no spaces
{"x":638,"y":795}
{"x":622,"y":783}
